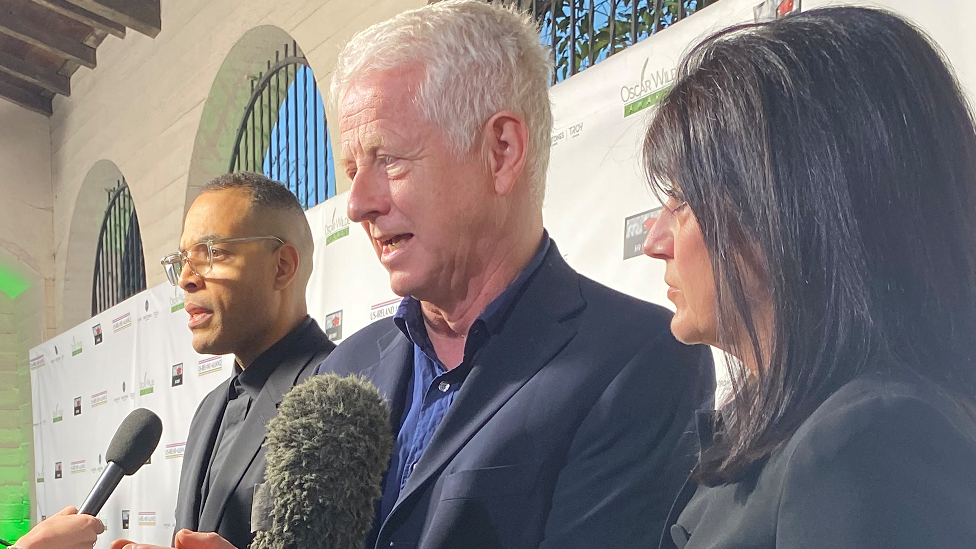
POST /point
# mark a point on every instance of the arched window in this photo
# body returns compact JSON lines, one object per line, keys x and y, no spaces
{"x":283,"y":133}
{"x":120,"y":270}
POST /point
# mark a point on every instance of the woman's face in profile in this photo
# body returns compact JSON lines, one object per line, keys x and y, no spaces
{"x":677,"y":239}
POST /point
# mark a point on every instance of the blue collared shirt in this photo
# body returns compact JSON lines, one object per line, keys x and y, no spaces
{"x":433,"y":387}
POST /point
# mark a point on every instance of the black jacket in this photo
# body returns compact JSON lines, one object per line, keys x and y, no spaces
{"x":227,"y":510}
{"x":887,"y":462}
{"x":569,"y":431}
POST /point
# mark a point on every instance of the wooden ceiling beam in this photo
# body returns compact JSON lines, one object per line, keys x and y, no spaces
{"x":82,"y":15}
{"x":139,"y":15}
{"x":17,"y":26}
{"x":26,"y":99}
{"x":52,"y":81}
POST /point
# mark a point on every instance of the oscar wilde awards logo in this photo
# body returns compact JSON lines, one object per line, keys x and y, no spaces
{"x":383,"y":310}
{"x":77,"y":406}
{"x":176,"y":302}
{"x":97,"y":333}
{"x":175,"y":450}
{"x":77,"y":467}
{"x":40,"y":477}
{"x":177,"y":374}
{"x":649,"y":89}
{"x":147,"y":518}
{"x":125,"y":519}
{"x":99,"y":399}
{"x":58,"y":414}
{"x":210,"y":365}
{"x":146,"y":386}
{"x":339,"y":228}
{"x":121,"y":323}
{"x":57,"y":469}
{"x":76,"y":347}
{"x":333,"y":326}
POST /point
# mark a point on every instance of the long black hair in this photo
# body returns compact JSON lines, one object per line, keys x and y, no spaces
{"x":832,"y":155}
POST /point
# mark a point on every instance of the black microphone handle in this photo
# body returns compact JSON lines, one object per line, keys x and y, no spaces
{"x":104,"y":487}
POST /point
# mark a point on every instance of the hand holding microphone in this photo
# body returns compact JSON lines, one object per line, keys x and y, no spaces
{"x":64,"y":530}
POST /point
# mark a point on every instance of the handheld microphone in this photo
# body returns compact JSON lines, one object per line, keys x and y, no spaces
{"x":327,"y":450}
{"x":131,"y":447}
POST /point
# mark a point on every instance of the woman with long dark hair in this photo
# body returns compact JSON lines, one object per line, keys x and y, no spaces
{"x":820,"y":227}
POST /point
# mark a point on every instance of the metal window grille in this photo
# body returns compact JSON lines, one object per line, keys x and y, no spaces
{"x":582,"y":33}
{"x":120,"y":269}
{"x":284,"y":133}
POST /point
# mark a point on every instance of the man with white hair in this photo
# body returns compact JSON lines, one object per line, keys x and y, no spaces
{"x":531,"y":407}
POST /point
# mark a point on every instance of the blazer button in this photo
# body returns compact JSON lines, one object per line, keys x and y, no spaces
{"x":444,"y":386}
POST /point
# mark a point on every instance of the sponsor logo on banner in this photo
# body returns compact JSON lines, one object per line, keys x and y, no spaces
{"x":147,"y":518}
{"x":58,"y":357}
{"x":149,"y":315}
{"x":77,"y":466}
{"x":648,"y":91}
{"x":37,"y":362}
{"x":338,"y":228}
{"x":58,"y":414}
{"x":210,"y":365}
{"x":126,"y":394}
{"x":98,"y":469}
{"x":771,"y":10}
{"x":176,"y":302}
{"x":146,"y":386}
{"x":97,"y":333}
{"x":57,"y":469}
{"x":175,"y":450}
{"x":40,"y":477}
{"x":99,"y":399}
{"x":76,"y":347}
{"x":383,"y":310}
{"x":121,"y":323}
{"x":177,"y":374}
{"x":636,"y":228}
{"x":567,"y":133}
{"x":125,"y":519}
{"x":77,"y":406}
{"x":333,"y":326}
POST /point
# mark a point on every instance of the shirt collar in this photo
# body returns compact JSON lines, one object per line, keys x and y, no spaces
{"x":253,"y":378}
{"x":409,"y":316}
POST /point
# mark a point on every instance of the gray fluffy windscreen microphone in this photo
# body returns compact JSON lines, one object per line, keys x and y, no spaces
{"x":327,"y":450}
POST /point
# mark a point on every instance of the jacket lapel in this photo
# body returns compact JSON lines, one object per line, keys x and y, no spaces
{"x":542,"y":322}
{"x":392,"y":373}
{"x":252,"y":434}
{"x":202,"y":435}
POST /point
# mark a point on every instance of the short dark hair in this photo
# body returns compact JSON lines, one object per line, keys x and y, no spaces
{"x":265,"y":192}
{"x":832,"y":152}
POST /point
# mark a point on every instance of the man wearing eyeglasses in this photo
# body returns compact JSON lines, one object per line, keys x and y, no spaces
{"x":244,"y":262}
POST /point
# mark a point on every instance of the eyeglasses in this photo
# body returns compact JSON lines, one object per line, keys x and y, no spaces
{"x":200,"y":257}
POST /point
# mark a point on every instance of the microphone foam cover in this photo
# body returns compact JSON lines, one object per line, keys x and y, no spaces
{"x":327,"y":451}
{"x":135,"y":440}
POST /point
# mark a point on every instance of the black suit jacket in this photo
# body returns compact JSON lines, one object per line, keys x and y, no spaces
{"x":227,"y":510}
{"x":887,"y":462}
{"x":569,"y":430}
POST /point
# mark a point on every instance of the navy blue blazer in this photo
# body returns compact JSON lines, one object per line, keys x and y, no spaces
{"x":569,"y":431}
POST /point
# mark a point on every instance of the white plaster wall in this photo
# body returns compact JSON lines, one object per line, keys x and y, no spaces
{"x":141,"y":108}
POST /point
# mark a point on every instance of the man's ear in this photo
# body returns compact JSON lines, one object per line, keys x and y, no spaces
{"x":288,"y":264}
{"x":506,"y":141}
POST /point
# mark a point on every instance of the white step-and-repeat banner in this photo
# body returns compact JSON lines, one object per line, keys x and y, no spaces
{"x":138,"y":353}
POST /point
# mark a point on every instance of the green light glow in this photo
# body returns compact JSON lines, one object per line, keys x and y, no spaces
{"x":12,"y":283}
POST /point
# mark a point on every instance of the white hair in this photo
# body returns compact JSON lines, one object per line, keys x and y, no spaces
{"x":478,"y":59}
